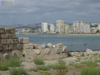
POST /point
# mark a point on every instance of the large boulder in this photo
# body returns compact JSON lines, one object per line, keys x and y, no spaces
{"x":89,"y":52}
{"x":43,"y":46}
{"x":47,"y":51}
{"x":37,"y":51}
{"x":6,"y":55}
{"x":49,"y":45}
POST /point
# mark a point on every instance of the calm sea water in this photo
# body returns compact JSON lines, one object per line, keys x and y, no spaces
{"x":73,"y":43}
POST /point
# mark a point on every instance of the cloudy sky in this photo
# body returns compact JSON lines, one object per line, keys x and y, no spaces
{"x":37,"y":11}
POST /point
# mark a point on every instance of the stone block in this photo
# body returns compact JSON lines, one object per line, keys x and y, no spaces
{"x":1,"y":47}
{"x":2,"y":36}
{"x":16,"y":53}
{"x":6,"y":47}
{"x":19,"y":46}
{"x":15,"y":46}
{"x":28,"y":46}
{"x":3,"y":41}
{"x":15,"y":41}
{"x":2,"y":30}
{"x":10,"y":30}
{"x":23,"y":40}
{"x":60,"y":45}
{"x":10,"y":46}
{"x":10,"y":36}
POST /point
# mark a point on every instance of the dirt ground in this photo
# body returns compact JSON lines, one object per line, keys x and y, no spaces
{"x":71,"y":69}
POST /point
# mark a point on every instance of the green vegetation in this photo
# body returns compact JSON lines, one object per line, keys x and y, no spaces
{"x":77,"y":65}
{"x":35,"y":70}
{"x":89,"y":71}
{"x":97,"y":31}
{"x":18,"y":71}
{"x":61,"y":64}
{"x":43,"y":67}
{"x":91,"y":64}
{"x":38,"y":61}
{"x":12,"y":62}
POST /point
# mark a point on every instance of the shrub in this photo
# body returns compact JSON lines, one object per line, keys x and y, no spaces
{"x":14,"y":62}
{"x":18,"y":71}
{"x":89,"y":71}
{"x":4,"y":65}
{"x":38,"y":61}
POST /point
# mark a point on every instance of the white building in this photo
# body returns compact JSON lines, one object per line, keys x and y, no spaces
{"x":86,"y":28}
{"x":51,"y":28}
{"x":81,"y":27}
{"x":44,"y":27}
{"x":98,"y":26}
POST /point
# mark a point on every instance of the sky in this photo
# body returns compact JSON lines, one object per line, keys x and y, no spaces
{"x":38,"y":11}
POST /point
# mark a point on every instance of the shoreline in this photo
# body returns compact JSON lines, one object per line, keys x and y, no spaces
{"x":62,"y":34}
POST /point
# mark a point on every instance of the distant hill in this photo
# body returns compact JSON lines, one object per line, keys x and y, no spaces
{"x":32,"y":26}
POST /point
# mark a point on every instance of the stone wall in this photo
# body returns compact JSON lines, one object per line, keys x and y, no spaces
{"x":8,"y":42}
{"x":10,"y":46}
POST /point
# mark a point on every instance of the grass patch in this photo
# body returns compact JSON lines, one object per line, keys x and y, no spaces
{"x":14,"y":62}
{"x":89,"y":71}
{"x":38,"y":61}
{"x":4,"y":65}
{"x":43,"y":67}
{"x":91,"y":64}
{"x":77,"y":65}
{"x":60,"y":65}
{"x":78,"y":58}
{"x":34,"y":70}
{"x":11,"y":62}
{"x":18,"y":71}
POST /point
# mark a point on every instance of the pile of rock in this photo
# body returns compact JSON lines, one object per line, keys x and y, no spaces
{"x":8,"y":42}
{"x":88,"y":52}
{"x":47,"y":52}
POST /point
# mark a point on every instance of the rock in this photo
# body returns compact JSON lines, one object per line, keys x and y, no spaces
{"x":54,"y":46}
{"x":60,"y":45}
{"x":19,"y":46}
{"x":43,"y":46}
{"x":81,"y":53}
{"x":28,"y":46}
{"x":89,"y":52}
{"x":6,"y":55}
{"x":64,"y":49}
{"x":77,"y":53}
{"x":17,"y":53}
{"x":14,"y":54}
{"x":37,"y":51}
{"x":57,"y":51}
{"x":23,"y":40}
{"x":47,"y":51}
{"x":49,"y":45}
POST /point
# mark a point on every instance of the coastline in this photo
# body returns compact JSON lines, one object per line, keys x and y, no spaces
{"x":62,"y":34}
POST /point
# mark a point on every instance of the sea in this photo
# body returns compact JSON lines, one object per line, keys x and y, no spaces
{"x":73,"y":43}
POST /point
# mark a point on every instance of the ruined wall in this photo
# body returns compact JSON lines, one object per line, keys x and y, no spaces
{"x":12,"y":46}
{"x":8,"y":42}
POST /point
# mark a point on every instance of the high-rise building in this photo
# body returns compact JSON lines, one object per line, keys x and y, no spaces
{"x":86,"y":28}
{"x":51,"y":28}
{"x":59,"y":25}
{"x":44,"y":27}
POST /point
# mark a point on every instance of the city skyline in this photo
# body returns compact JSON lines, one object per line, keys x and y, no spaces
{"x":38,"y":11}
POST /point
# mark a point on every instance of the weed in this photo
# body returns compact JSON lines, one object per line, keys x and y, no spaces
{"x":18,"y":71}
{"x":38,"y":61}
{"x":89,"y":71}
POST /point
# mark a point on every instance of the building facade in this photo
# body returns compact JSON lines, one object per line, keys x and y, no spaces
{"x":44,"y":27}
